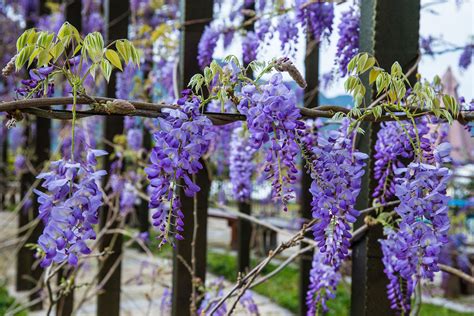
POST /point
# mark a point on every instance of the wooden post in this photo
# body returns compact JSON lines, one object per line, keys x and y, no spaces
{"x":117,"y":14}
{"x":244,"y":227}
{"x":389,"y":31}
{"x":310,"y":100}
{"x":188,"y":66}
{"x":28,"y":270}
{"x":65,"y":303}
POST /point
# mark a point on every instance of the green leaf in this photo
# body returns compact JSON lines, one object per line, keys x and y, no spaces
{"x":396,"y":69}
{"x":23,"y":56}
{"x":22,"y":40}
{"x":373,"y":75}
{"x":57,"y":50}
{"x":370,"y":62}
{"x":114,"y":58}
{"x":361,"y":62}
{"x":106,"y":69}
{"x":44,"y":57}
{"x":122,"y":50}
{"x":33,"y":56}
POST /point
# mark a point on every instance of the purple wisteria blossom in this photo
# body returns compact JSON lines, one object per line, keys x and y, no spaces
{"x":323,"y":281}
{"x":207,"y":45}
{"x":182,"y":140}
{"x":465,"y":59}
{"x":249,"y":47}
{"x":213,"y":290}
{"x":336,"y":171}
{"x":316,"y":17}
{"x":272,"y":117}
{"x":69,"y":208}
{"x":348,"y":42}
{"x":287,"y":33}
{"x":412,"y":252}
{"x":241,"y":165}
{"x":35,"y":86}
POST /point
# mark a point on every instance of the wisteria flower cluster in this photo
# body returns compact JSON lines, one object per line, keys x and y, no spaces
{"x":241,"y":165}
{"x":336,"y":171}
{"x":392,"y":148}
{"x":272,"y":116}
{"x":348,"y":42}
{"x":323,"y":280}
{"x":413,"y":250}
{"x":69,"y":209}
{"x":183,"y":138}
{"x":317,"y":17}
{"x":35,"y":86}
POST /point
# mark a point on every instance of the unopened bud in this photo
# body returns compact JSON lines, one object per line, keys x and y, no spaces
{"x":284,"y":64}
{"x":10,"y":67}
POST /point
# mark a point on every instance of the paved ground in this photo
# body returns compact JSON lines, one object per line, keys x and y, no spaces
{"x":145,"y":278}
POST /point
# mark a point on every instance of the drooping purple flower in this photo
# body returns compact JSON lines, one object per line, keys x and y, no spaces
{"x":287,"y":33}
{"x":466,"y":57}
{"x":323,"y":279}
{"x":35,"y":86}
{"x":412,"y":252}
{"x":272,"y":117}
{"x":183,"y":138}
{"x":69,"y":209}
{"x":316,"y":17}
{"x":241,"y":165}
{"x":249,"y":47}
{"x":207,"y":45}
{"x":336,"y":171}
{"x":426,"y":44}
{"x":348,"y":42}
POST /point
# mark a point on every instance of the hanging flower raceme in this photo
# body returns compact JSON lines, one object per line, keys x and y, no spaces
{"x":348,"y":42}
{"x":336,"y":171}
{"x":37,"y":86}
{"x":183,"y":138}
{"x":317,"y":17}
{"x":241,"y":165}
{"x":323,"y":280}
{"x":69,"y":208}
{"x":391,"y":148}
{"x":412,"y":252}
{"x":207,"y":45}
{"x":249,"y":47}
{"x":272,"y":117}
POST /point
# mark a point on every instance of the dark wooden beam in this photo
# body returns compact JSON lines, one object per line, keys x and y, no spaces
{"x":311,"y":99}
{"x":117,"y":15}
{"x":389,"y":31}
{"x":244,"y":227}
{"x":188,"y":66}
{"x":28,"y":270}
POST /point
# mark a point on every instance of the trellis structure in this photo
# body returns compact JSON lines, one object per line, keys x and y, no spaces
{"x":382,"y":35}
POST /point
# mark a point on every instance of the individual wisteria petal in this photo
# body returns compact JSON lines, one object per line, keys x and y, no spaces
{"x":241,"y":165}
{"x":273,"y":118}
{"x":207,"y":45}
{"x":183,"y":139}
{"x":69,"y":209}
{"x":348,"y":42}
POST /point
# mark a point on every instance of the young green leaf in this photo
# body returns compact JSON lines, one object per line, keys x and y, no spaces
{"x":114,"y":58}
